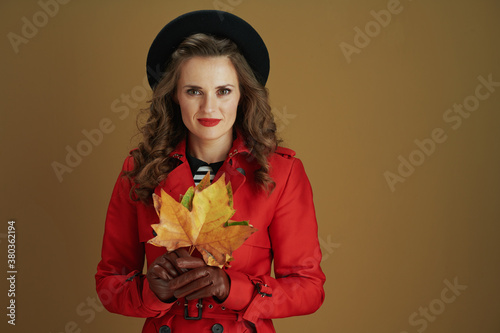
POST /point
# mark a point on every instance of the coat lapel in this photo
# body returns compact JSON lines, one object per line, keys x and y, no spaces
{"x":181,"y":178}
{"x":178,"y":181}
{"x":232,"y":175}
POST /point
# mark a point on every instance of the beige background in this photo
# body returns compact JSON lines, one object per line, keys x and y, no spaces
{"x":386,"y":253}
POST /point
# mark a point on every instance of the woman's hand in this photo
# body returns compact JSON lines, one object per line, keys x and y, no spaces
{"x":164,"y":270}
{"x":200,"y":281}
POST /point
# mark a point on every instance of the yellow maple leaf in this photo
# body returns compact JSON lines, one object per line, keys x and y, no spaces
{"x":201,"y":219}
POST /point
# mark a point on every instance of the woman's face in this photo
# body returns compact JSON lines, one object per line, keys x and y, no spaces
{"x":208,"y":94}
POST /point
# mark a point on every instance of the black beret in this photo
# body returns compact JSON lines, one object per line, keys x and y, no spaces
{"x":210,"y":22}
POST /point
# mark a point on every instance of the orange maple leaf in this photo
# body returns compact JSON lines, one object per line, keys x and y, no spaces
{"x":201,"y":219}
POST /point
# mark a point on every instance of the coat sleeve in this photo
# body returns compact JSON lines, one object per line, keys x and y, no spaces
{"x":120,"y":284}
{"x":298,"y":286}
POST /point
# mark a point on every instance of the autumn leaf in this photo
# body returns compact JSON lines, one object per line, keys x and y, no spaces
{"x":201,"y":219}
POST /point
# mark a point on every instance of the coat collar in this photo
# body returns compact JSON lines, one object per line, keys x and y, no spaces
{"x":238,"y":147}
{"x":180,"y":178}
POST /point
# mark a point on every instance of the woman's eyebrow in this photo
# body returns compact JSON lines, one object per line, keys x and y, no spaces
{"x":225,"y":85}
{"x":194,"y":86}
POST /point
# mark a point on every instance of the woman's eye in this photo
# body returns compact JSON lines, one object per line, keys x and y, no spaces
{"x":193,"y":92}
{"x":224,"y":91}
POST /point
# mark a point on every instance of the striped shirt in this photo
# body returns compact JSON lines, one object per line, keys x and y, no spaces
{"x":200,"y":168}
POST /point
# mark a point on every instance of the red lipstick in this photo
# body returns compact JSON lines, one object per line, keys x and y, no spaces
{"x":209,"y":122}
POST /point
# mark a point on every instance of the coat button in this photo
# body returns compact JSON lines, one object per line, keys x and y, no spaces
{"x":217,"y":328}
{"x":165,"y":329}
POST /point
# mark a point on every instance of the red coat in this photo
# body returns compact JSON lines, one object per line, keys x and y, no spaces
{"x":287,"y":232}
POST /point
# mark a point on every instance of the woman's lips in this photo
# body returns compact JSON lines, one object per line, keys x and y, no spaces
{"x":209,"y":122}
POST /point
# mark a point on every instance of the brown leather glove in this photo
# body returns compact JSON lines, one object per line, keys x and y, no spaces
{"x":164,"y":270}
{"x":200,"y":281}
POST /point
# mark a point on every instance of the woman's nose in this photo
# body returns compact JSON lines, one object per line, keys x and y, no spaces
{"x":209,"y":103}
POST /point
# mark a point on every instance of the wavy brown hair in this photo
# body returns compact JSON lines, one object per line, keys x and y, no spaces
{"x":164,"y":128}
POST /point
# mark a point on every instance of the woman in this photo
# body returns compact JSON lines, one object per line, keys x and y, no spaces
{"x":210,"y":111}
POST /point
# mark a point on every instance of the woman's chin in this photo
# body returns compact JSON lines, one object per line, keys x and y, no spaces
{"x":210,"y":135}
